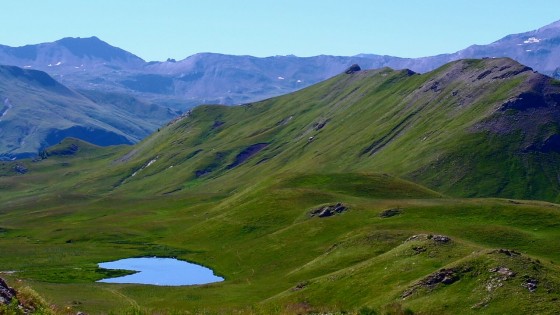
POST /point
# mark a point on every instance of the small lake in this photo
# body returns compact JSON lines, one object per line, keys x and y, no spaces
{"x":160,"y":271}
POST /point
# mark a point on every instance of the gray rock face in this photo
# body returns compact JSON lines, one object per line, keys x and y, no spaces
{"x":353,"y":68}
{"x":390,"y":212}
{"x":441,"y":239}
{"x":328,"y":211}
{"x":530,"y":284}
{"x":6,"y":293}
{"x":443,"y":276}
{"x":20,"y":169}
{"x":504,"y":271}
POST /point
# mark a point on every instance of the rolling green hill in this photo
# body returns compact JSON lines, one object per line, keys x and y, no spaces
{"x":471,"y":128}
{"x":430,"y":170}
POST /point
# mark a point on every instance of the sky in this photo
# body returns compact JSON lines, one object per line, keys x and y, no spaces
{"x":161,"y":29}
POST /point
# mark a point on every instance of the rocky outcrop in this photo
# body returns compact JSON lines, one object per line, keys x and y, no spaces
{"x":530,"y":284}
{"x":319,"y":125}
{"x":525,"y":101}
{"x":390,"y":212}
{"x":443,"y":276}
{"x":23,"y":301}
{"x":436,"y":238}
{"x":7,"y":294}
{"x":328,"y":211}
{"x":20,"y":169}
{"x":507,"y":252}
{"x":352,"y":69}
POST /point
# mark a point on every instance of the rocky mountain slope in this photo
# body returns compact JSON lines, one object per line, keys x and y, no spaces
{"x":471,"y":128}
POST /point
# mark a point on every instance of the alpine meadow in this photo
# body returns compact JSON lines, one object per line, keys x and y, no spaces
{"x":428,"y":187}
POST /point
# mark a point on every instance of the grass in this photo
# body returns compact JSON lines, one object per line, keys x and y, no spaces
{"x":251,"y":224}
{"x":265,"y":244}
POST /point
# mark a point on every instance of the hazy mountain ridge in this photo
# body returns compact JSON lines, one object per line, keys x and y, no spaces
{"x":95,"y":67}
{"x":68,"y":52}
{"x":89,"y":63}
{"x":38,"y":112}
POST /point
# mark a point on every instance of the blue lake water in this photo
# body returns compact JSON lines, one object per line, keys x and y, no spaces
{"x":160,"y":271}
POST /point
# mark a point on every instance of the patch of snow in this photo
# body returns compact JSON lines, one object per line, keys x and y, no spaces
{"x":532,"y":40}
{"x":528,"y":50}
{"x":143,"y":167}
{"x":9,"y":105}
{"x":27,"y":66}
{"x":299,"y":81}
{"x":49,"y":65}
{"x":58,"y":63}
{"x":280,"y":78}
{"x":8,"y":272}
{"x":77,"y":67}
{"x":150,"y":163}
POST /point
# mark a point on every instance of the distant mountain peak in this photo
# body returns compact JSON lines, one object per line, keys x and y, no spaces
{"x":91,"y":38}
{"x":94,"y":47}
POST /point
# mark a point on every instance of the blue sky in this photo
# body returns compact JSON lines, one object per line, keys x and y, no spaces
{"x":157,"y":30}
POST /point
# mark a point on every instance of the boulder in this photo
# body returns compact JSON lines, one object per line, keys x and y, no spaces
{"x":20,"y":169}
{"x":390,"y":212}
{"x":530,"y":284}
{"x":6,"y":293}
{"x":441,"y":239}
{"x":327,"y":211}
{"x":353,"y":68}
{"x":504,"y":271}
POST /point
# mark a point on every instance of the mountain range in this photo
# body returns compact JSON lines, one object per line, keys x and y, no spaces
{"x":375,"y":191}
{"x":90,"y":63}
{"x":90,"y":66}
{"x":38,"y":111}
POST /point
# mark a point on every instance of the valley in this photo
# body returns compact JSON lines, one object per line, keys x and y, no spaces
{"x":383,"y":191}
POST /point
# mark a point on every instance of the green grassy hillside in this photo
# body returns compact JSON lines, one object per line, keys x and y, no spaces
{"x":240,"y":189}
{"x":471,"y":128}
